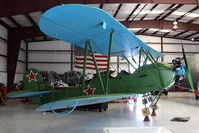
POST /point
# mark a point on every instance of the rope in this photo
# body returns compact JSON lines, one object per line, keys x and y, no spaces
{"x":59,"y":114}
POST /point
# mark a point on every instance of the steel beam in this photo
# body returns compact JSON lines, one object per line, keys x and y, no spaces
{"x":191,"y":35}
{"x":13,"y":52}
{"x":26,"y":32}
{"x":4,"y":24}
{"x":14,"y":21}
{"x":27,"y":6}
{"x":117,"y":11}
{"x":172,"y":10}
{"x":15,"y":35}
{"x":160,"y":24}
{"x":149,"y":11}
{"x":30,"y":19}
{"x":165,"y":12}
{"x":169,"y":36}
{"x":132,"y":12}
{"x":180,"y":33}
{"x":192,"y":10}
{"x":30,"y":32}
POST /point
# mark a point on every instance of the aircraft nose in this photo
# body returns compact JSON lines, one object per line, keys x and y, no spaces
{"x":167,"y":77}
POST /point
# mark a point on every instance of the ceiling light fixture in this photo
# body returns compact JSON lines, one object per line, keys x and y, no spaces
{"x":175,"y":27}
{"x":175,"y":23}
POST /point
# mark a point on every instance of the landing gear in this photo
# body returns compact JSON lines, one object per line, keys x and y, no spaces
{"x":100,"y":107}
{"x":197,"y":91}
{"x":196,"y":96}
{"x":147,"y":98}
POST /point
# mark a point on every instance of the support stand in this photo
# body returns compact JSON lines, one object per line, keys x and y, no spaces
{"x":146,"y":118}
{"x":146,"y":113}
{"x":153,"y":112}
{"x":2,"y":100}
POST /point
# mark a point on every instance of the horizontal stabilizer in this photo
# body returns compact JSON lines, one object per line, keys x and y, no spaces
{"x":66,"y":103}
{"x":26,"y":94}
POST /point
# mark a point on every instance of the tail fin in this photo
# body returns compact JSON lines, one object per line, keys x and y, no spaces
{"x":188,"y":70}
{"x":34,"y":88}
{"x":31,"y":80}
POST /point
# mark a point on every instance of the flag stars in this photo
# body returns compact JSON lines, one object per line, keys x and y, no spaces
{"x":90,"y":91}
{"x":32,"y":76}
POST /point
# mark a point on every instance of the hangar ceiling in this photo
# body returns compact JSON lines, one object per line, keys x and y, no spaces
{"x":142,"y":17}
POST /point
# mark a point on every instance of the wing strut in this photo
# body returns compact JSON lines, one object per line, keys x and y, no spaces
{"x":140,"y":56}
{"x":129,"y":61}
{"x":84,"y":68}
{"x":150,"y":58}
{"x":109,"y":58}
{"x":96,"y":67}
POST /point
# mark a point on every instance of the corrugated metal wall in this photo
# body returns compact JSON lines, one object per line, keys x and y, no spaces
{"x":56,"y":55}
{"x":3,"y":58}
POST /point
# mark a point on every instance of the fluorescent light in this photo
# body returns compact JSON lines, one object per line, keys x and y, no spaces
{"x":134,"y":28}
{"x":175,"y":27}
{"x":194,"y":15}
{"x":178,"y":13}
{"x":156,"y":12}
{"x":164,"y":30}
{"x":175,"y":22}
{"x":153,"y":29}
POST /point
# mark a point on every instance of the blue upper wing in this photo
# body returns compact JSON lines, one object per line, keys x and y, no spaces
{"x":77,"y":23}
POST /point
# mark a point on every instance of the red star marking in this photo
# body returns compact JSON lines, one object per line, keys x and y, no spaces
{"x":32,"y":76}
{"x":90,"y":91}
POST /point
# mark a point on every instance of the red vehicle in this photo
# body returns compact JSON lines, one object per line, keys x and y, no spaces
{"x":3,"y":93}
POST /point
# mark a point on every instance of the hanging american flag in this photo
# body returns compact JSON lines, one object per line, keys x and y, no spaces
{"x":79,"y":59}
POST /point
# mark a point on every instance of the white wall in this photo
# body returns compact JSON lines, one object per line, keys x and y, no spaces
{"x":3,"y":58}
{"x":37,"y":59}
{"x":57,"y":56}
{"x":21,"y":65}
{"x":3,"y":51}
{"x":155,"y":42}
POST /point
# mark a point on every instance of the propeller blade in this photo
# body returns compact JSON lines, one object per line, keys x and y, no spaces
{"x":188,"y":70}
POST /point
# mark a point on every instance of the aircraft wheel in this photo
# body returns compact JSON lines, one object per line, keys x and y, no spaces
{"x":196,"y":97}
{"x":166,"y":92}
{"x":197,"y":91}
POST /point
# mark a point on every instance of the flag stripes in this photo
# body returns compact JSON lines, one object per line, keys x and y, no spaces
{"x":79,"y":60}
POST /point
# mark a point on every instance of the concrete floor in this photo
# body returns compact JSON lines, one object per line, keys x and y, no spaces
{"x":18,"y":117}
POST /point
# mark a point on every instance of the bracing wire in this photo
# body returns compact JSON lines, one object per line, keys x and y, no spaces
{"x":59,"y":114}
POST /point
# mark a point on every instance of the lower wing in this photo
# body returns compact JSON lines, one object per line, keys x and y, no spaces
{"x":68,"y":103}
{"x":20,"y":94}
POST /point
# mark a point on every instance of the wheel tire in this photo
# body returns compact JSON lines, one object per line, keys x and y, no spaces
{"x":166,"y":92}
{"x":196,"y":91}
{"x":196,"y":96}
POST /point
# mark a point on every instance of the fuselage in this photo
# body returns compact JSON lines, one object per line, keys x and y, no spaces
{"x":145,"y":79}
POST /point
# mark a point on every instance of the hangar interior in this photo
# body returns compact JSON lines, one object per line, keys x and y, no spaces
{"x":163,"y":25}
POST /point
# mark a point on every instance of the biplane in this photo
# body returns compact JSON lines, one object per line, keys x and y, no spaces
{"x":95,"y":30}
